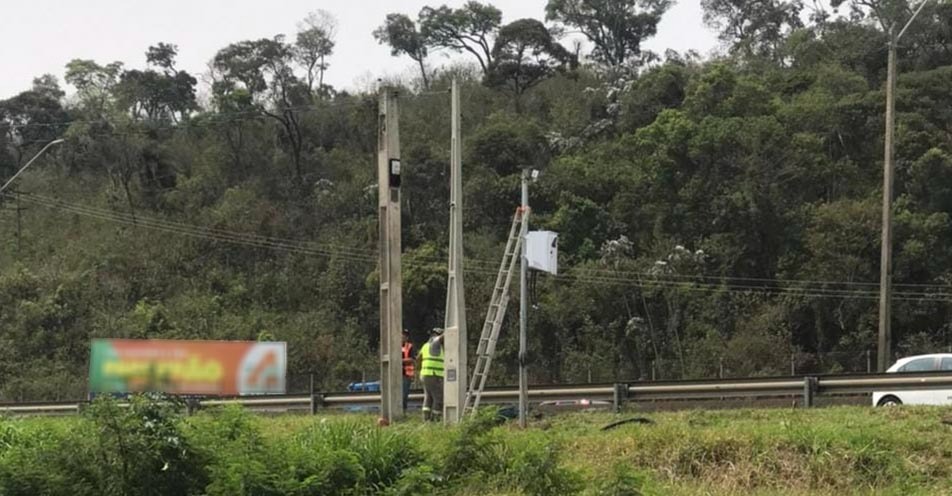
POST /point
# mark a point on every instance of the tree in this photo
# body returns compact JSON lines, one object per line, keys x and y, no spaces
{"x":506,"y":143}
{"x":616,"y":27}
{"x":314,"y":43}
{"x":157,"y":96}
{"x":885,"y":13}
{"x":470,"y":28}
{"x":525,"y":54}
{"x":401,"y":33}
{"x":33,"y":118}
{"x":261,"y":71}
{"x":94,"y":84}
{"x":162,"y":56}
{"x":754,"y":27}
{"x":48,"y":85}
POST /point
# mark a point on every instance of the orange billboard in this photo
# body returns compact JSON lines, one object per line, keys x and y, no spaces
{"x":187,"y":367}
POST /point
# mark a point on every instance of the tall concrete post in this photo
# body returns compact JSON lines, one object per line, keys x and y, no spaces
{"x":391,"y":280}
{"x":885,"y":271}
{"x":886,"y":265}
{"x":455,"y":379}
{"x":523,"y":305}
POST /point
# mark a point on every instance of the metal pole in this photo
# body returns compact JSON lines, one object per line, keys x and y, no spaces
{"x":523,"y":305}
{"x":391,"y":281}
{"x":885,"y":270}
{"x":42,"y":150}
{"x":454,"y":386}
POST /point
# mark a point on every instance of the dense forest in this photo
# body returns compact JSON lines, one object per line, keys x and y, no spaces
{"x":717,"y":215}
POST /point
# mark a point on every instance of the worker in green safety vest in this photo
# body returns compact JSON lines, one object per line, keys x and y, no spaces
{"x":430,"y":361}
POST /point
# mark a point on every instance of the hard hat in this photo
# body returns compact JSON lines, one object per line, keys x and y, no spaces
{"x":436,"y":330}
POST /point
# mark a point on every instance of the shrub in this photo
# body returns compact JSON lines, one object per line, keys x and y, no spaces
{"x":141,"y":449}
{"x":482,"y":454}
{"x":622,"y":481}
{"x":473,"y":449}
{"x":112,"y":450}
{"x":533,"y":466}
{"x":381,"y":454}
{"x":326,"y":458}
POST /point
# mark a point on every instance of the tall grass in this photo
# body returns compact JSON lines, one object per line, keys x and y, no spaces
{"x":152,"y":448}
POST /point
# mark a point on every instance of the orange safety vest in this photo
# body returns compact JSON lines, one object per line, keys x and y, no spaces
{"x":408,"y":359}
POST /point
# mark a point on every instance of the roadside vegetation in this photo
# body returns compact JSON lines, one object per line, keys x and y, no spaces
{"x":717,"y":215}
{"x":152,"y":449}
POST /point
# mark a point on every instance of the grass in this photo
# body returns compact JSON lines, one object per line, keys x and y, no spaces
{"x":841,"y":450}
{"x":827,"y":451}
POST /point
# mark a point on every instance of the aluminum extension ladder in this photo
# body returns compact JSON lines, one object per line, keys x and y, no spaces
{"x":496,"y":313}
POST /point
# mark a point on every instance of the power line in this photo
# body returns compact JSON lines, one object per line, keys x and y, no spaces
{"x":734,"y":289}
{"x":210,"y":118}
{"x":364,"y":257}
{"x":746,"y":280}
{"x":218,"y":235}
{"x":199,"y":231}
{"x":367,"y":255}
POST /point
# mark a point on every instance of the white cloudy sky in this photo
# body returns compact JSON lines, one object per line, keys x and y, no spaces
{"x":40,"y":36}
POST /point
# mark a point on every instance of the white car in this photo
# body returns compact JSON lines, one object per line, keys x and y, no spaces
{"x":919,"y":363}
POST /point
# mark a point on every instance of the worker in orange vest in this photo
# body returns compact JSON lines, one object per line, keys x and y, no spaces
{"x":408,"y":367}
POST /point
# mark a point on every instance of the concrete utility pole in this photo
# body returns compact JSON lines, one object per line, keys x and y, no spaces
{"x":885,"y":271}
{"x":886,"y":266}
{"x":455,"y":337}
{"x":523,"y":304}
{"x":391,"y":280}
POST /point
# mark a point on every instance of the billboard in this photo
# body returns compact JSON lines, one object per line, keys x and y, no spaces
{"x":187,"y":367}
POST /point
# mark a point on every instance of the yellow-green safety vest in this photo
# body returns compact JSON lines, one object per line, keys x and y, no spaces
{"x":431,"y":365}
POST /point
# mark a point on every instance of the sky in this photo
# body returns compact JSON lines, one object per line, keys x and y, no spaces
{"x":41,"y":36}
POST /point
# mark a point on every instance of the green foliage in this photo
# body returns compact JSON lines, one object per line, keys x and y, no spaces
{"x":616,"y":28}
{"x":479,"y":453}
{"x":139,"y":449}
{"x":142,"y":450}
{"x":472,"y":448}
{"x":623,"y":481}
{"x":506,"y":143}
{"x":524,"y":55}
{"x":403,"y":36}
{"x":469,"y":28}
{"x":230,"y":451}
{"x":534,"y":467}
{"x":754,"y":28}
{"x":255,"y":213}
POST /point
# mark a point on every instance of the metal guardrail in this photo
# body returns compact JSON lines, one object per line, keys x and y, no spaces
{"x":807,"y":387}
